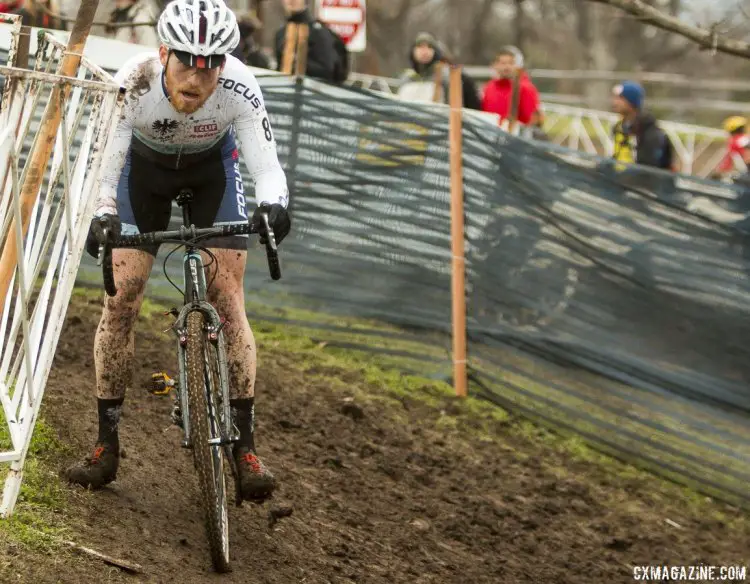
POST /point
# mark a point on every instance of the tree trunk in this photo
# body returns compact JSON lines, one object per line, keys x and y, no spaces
{"x":519,"y":25}
{"x":597,"y":55}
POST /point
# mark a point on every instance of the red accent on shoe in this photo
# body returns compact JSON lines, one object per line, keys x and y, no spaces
{"x":98,"y":451}
{"x":253,"y":461}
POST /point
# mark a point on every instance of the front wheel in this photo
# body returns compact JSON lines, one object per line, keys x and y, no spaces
{"x":202,"y":379}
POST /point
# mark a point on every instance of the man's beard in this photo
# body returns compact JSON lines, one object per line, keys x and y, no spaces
{"x":187,"y":100}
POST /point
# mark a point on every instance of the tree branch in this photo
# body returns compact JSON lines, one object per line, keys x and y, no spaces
{"x":707,"y":38}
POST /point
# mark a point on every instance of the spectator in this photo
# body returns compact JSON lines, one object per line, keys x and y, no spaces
{"x":134,"y":11}
{"x":512,"y":91}
{"x":326,"y":54}
{"x":737,"y":158}
{"x":11,"y":7}
{"x":637,"y":136}
{"x":418,"y":83}
{"x":32,"y":13}
{"x":248,"y":51}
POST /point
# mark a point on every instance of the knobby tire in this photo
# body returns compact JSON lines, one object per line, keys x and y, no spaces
{"x":202,"y":367}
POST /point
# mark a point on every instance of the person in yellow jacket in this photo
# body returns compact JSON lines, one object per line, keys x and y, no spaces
{"x":637,"y":136}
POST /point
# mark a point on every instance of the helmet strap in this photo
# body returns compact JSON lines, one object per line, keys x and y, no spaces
{"x":164,"y":76}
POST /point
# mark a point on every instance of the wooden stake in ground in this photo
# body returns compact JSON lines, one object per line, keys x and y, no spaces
{"x":437,"y":94}
{"x":39,"y":158}
{"x":294,"y":61}
{"x":290,"y":48}
{"x":303,"y":43}
{"x":458,"y":273}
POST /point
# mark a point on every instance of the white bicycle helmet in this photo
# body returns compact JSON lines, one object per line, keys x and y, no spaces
{"x":200,"y":32}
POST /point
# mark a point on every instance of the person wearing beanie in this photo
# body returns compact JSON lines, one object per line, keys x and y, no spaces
{"x":637,"y":137}
{"x":427,"y":55}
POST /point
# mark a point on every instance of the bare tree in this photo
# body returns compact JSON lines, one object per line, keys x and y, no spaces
{"x":708,"y":38}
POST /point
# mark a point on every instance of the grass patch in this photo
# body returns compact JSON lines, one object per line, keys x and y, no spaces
{"x":395,"y":380}
{"x":37,"y":518}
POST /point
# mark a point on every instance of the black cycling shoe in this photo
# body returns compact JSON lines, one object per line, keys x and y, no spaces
{"x":256,"y":481}
{"x":96,"y":470}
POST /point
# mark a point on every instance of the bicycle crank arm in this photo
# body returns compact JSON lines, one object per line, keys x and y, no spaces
{"x":223,"y":441}
{"x":235,"y":475}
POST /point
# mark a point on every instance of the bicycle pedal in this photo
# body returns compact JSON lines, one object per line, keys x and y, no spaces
{"x":161,"y":384}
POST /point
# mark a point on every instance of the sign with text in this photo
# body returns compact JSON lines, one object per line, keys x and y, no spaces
{"x":347,"y":19}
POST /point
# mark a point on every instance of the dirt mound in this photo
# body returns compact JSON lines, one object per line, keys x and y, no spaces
{"x":373,"y":489}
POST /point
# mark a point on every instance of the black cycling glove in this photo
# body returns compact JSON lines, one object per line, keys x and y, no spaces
{"x":96,"y":232}
{"x":278,"y":219}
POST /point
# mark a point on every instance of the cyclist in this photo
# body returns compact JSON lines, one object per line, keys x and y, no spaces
{"x":183,"y":109}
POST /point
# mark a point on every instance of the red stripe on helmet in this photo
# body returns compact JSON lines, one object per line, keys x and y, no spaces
{"x":202,"y":28}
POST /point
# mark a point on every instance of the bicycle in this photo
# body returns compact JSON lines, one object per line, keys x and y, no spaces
{"x":202,"y":395}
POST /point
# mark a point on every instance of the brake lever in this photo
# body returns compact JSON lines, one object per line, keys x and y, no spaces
{"x":268,"y":233}
{"x":104,"y":261}
{"x":102,"y":246}
{"x":271,"y":249}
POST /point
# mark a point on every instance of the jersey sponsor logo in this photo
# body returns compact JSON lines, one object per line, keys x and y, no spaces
{"x":240,"y":89}
{"x":206,"y":129}
{"x":165,"y":128}
{"x":239,"y":186}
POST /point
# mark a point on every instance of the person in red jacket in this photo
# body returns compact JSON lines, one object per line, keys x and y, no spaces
{"x":499,"y":93}
{"x":9,"y":7}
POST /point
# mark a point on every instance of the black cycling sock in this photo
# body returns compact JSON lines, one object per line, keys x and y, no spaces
{"x":109,"y":420}
{"x":243,"y":412}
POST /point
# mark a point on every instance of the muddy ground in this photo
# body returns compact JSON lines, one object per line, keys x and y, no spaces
{"x":381,"y":491}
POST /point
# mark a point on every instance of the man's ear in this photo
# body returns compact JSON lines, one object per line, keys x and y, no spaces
{"x":163,"y":55}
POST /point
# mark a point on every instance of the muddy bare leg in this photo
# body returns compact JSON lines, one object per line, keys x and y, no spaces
{"x":114,"y":344}
{"x":226,"y":293}
{"x":113,"y":355}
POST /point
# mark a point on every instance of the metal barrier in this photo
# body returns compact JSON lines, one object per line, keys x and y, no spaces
{"x":42,"y":235}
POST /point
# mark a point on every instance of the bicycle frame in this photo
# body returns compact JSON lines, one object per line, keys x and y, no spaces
{"x":195,"y":299}
{"x":222,"y":433}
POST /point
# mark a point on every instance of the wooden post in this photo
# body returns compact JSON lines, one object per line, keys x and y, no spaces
{"x":39,"y":158}
{"x":437,"y":93}
{"x":303,"y":43}
{"x":290,"y":48}
{"x":294,"y":60}
{"x":458,"y":273}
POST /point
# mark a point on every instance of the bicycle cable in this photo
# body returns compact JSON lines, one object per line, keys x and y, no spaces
{"x":166,"y":273}
{"x":193,"y":242}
